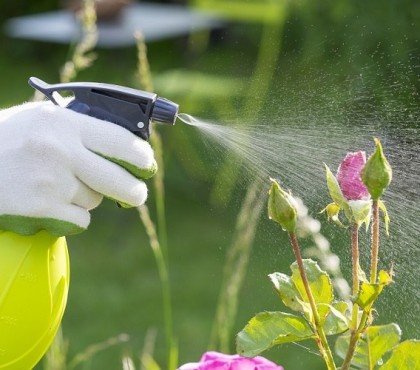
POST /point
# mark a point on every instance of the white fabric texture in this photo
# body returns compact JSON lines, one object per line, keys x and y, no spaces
{"x":49,"y":166}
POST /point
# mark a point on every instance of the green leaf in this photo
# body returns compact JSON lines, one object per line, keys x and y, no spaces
{"x":384,"y":277}
{"x":323,"y":310}
{"x":333,"y":211}
{"x":374,"y":343}
{"x":334,"y":189}
{"x":343,"y":307}
{"x":267,"y":329}
{"x":292,"y":291}
{"x":361,"y":211}
{"x":368,"y":292}
{"x":362,"y":274}
{"x":287,"y":291}
{"x":387,"y":220}
{"x":335,"y":321}
{"x":404,"y":356}
{"x":319,"y":282}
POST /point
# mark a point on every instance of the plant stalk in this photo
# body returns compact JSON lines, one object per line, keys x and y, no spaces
{"x":375,"y":242}
{"x":350,"y":352}
{"x":158,"y":182}
{"x":355,"y":272}
{"x":164,"y":279}
{"x":146,"y":83}
{"x":373,"y":276}
{"x":322,"y":338}
{"x":82,"y":56}
{"x":93,"y":349}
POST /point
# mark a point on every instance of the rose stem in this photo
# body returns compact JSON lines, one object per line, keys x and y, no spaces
{"x":322,"y":339}
{"x":355,"y":272}
{"x":373,"y":275}
{"x":375,"y":243}
{"x":350,"y":352}
{"x":355,"y":290}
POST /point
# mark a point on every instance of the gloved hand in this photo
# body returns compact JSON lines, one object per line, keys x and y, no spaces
{"x":56,"y":165}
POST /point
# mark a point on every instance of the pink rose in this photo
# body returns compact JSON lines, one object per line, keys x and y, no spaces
{"x":220,"y":361}
{"x":349,"y":176}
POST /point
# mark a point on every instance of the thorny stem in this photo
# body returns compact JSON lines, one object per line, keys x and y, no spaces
{"x":373,"y":276}
{"x":354,"y":337}
{"x":375,"y":242}
{"x":355,"y":257}
{"x":350,"y":352}
{"x":321,"y":337}
{"x":355,"y":272}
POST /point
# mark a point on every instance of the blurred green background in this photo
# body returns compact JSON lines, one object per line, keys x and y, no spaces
{"x":312,"y":48}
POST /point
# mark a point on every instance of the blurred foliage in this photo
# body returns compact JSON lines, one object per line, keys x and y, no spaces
{"x":326,"y":47}
{"x":24,"y":7}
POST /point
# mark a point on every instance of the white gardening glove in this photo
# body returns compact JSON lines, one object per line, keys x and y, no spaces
{"x":56,"y":165}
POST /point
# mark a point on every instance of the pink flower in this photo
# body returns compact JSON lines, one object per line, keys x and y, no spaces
{"x":220,"y":361}
{"x":349,"y":176}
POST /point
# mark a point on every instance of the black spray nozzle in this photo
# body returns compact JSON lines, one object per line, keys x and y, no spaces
{"x":165,"y":111}
{"x":126,"y":107}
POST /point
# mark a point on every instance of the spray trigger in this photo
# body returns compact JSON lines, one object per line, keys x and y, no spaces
{"x":129,"y":108}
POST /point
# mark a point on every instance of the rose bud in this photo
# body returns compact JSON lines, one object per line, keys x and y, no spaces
{"x":349,"y":176}
{"x":348,"y":191}
{"x":281,"y":207}
{"x":377,"y":173}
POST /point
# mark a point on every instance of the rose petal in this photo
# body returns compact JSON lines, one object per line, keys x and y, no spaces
{"x":215,"y":365}
{"x":243,"y":364}
{"x":190,"y":366}
{"x":218,"y":361}
{"x":213,"y":355}
{"x":349,"y":176}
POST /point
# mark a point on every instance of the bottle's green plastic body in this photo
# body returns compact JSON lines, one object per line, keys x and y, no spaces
{"x":34,"y":282}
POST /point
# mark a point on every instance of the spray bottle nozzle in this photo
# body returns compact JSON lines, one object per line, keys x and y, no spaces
{"x":165,"y":111}
{"x":126,"y":107}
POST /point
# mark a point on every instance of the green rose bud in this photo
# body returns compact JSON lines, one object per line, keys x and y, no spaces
{"x":281,"y":208}
{"x":377,"y":173}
